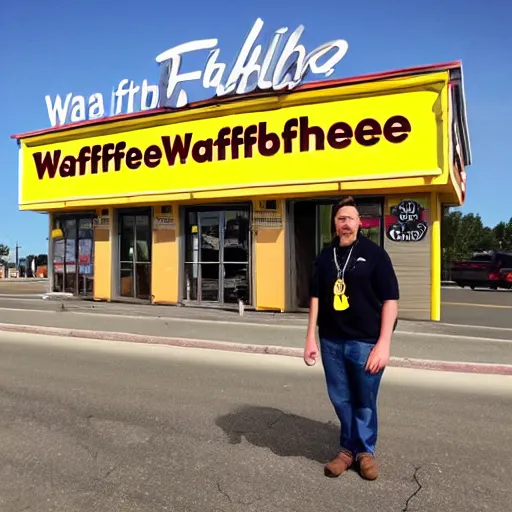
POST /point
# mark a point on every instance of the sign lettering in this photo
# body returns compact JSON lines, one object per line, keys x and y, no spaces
{"x":297,"y":135}
{"x":337,"y":140}
{"x":283,"y":65}
{"x":410,"y":226}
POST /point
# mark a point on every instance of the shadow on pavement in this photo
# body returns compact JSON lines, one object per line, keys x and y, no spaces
{"x":285,"y":434}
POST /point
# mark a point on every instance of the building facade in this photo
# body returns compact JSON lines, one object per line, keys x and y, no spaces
{"x":230,"y":199}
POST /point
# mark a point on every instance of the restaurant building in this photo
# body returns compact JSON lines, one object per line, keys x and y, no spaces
{"x":230,"y":199}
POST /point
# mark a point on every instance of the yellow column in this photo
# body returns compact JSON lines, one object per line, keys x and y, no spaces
{"x":165,"y":260}
{"x":103,"y":236}
{"x":435,"y":271}
{"x":269,"y":267}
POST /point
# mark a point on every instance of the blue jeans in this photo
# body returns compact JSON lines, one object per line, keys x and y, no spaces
{"x":353,"y":392}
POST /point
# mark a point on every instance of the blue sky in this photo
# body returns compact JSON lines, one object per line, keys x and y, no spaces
{"x":60,"y":46}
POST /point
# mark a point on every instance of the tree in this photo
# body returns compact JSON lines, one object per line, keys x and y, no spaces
{"x":500,"y":234}
{"x":461,"y":235}
{"x":507,"y":239}
{"x":474,"y":236}
{"x":503,"y":235}
{"x":4,"y":251}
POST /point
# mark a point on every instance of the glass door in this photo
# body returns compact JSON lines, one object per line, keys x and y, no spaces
{"x":324,"y":229}
{"x":85,"y":247}
{"x":70,"y":282}
{"x":209,"y":256}
{"x":236,"y":250}
{"x":135,"y":254}
{"x":217,"y":256}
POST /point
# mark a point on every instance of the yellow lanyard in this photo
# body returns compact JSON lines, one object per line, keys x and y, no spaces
{"x":340,"y":302}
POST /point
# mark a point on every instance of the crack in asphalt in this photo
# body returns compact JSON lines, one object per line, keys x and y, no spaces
{"x":415,"y":493}
{"x":238,"y":501}
{"x":93,"y":453}
{"x":222,"y":491}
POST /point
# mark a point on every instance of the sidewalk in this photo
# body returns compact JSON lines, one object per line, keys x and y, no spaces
{"x":57,"y":304}
{"x":415,"y":344}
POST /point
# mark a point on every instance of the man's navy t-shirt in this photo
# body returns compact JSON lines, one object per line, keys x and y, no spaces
{"x":370,"y":280}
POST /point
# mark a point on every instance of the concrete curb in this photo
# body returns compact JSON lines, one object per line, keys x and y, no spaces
{"x":397,"y":362}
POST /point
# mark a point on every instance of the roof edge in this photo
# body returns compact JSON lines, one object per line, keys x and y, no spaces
{"x":316,"y":85}
{"x":459,"y":97}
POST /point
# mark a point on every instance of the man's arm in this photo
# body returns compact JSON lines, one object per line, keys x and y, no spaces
{"x":386,"y":287}
{"x":312,"y":318}
{"x":389,"y":315}
{"x":311,"y":347}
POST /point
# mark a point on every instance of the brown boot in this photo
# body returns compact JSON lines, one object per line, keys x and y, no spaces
{"x":368,"y":467}
{"x":338,"y":465}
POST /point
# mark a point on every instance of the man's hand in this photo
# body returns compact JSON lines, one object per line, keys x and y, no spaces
{"x":379,"y":357}
{"x":310,"y":351}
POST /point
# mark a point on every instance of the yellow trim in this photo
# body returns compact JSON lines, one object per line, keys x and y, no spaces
{"x":418,"y":178}
{"x":237,"y":190}
{"x":103,"y":259}
{"x":269,"y":275}
{"x":435,"y":258}
{"x":383,"y":187}
{"x":165,"y":263}
{"x":446,"y":127}
{"x":437,"y":81}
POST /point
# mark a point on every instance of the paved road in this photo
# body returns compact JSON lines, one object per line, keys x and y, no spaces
{"x":477,"y":307}
{"x":89,"y":426}
{"x":460,"y":306}
{"x":483,"y":297}
{"x":415,"y":340}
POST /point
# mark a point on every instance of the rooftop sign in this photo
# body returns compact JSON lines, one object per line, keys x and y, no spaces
{"x":282,"y":65}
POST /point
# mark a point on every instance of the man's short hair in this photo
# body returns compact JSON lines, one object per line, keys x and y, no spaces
{"x":346,"y":201}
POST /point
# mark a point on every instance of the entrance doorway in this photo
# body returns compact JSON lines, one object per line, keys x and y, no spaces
{"x":218,"y":255}
{"x":135,"y":233}
{"x":73,"y":254}
{"x":313,"y":230}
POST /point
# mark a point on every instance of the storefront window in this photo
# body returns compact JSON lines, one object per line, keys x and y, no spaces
{"x":324,"y":225}
{"x":73,"y":255}
{"x":370,"y":211}
{"x":371,"y":228}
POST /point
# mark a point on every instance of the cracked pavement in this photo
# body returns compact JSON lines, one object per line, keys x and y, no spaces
{"x":88,"y":426}
{"x":415,"y":493}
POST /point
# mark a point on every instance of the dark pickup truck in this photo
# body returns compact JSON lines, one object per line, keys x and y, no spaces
{"x":490,"y":269}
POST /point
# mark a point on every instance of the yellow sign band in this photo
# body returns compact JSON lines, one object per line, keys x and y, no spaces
{"x":367,"y":138}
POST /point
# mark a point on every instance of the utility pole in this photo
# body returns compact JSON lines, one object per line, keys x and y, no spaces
{"x":18,"y":247}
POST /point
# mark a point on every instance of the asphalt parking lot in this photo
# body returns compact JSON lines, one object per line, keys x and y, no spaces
{"x":91,"y":426}
{"x":23,"y":287}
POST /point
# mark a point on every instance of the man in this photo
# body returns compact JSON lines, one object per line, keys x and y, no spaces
{"x":354,"y":302}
